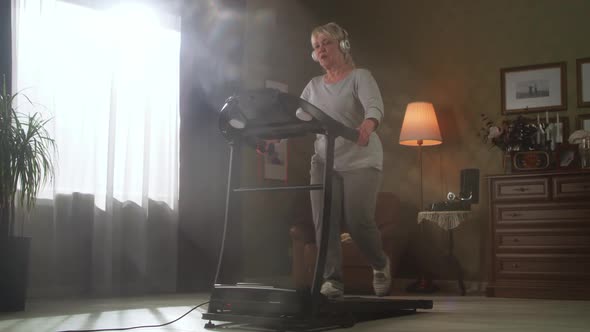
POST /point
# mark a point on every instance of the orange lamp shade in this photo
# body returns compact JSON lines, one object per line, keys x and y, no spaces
{"x":420,"y":126}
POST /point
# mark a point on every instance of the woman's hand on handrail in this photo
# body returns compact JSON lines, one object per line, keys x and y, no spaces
{"x":365,"y":130}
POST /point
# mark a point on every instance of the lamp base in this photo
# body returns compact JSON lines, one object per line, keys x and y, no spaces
{"x":422,"y":285}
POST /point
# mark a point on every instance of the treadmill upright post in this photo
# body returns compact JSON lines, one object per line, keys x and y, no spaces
{"x":318,"y":275}
{"x":231,"y":214}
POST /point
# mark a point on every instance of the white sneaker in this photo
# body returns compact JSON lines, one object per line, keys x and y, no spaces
{"x":382,"y":279}
{"x":330,"y":290}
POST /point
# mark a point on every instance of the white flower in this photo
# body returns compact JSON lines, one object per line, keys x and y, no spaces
{"x":577,"y":136}
{"x":494,"y":132}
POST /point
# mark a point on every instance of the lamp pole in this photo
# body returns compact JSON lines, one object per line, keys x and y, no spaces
{"x":424,"y":283}
{"x":419,"y":128}
{"x":421,"y":206}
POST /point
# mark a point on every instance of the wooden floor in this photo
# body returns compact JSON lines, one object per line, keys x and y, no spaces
{"x":450,"y":313}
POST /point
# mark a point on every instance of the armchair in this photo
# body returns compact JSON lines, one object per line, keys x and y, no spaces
{"x":357,"y":274}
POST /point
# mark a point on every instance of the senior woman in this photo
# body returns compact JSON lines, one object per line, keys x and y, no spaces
{"x":351,"y":96}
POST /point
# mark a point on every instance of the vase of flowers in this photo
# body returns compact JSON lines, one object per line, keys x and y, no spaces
{"x":508,"y":136}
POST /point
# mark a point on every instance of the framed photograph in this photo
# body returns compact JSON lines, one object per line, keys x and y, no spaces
{"x":534,"y":88}
{"x":276,"y":160}
{"x":583,"y":122}
{"x":567,"y":156}
{"x":583,"y":78}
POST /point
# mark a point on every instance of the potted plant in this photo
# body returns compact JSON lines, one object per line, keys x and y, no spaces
{"x":26,"y":152}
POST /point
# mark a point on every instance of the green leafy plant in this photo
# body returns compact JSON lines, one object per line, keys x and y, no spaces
{"x":26,"y":162}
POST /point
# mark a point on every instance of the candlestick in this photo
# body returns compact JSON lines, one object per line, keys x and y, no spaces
{"x":557,"y":130}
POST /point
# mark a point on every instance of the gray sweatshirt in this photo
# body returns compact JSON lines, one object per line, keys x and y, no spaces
{"x":349,"y":101}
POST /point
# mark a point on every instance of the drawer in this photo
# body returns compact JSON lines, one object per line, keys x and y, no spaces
{"x":534,"y":188}
{"x":543,"y":267}
{"x":543,"y":240}
{"x":560,"y":214}
{"x":571,"y":187}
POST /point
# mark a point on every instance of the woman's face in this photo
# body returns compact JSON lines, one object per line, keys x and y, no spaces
{"x":327,"y":51}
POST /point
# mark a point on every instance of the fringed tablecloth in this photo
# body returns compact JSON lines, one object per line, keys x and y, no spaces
{"x":444,"y":219}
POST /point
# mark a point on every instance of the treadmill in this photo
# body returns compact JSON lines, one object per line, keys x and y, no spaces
{"x":264,"y":114}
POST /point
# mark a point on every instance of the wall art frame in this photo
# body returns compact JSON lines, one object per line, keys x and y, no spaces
{"x":276,"y":160}
{"x":534,"y":88}
{"x":583,"y":122}
{"x":583,"y":81}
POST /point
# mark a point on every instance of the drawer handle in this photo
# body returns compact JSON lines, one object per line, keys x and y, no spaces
{"x":515,"y":240}
{"x":514,"y":265}
{"x":521,"y":189}
{"x":514,"y":214}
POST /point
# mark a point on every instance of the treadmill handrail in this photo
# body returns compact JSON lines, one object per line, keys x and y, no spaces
{"x":271,"y":114}
{"x":279,"y":188}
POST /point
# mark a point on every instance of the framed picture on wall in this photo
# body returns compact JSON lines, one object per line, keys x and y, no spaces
{"x":534,"y":88}
{"x":584,"y":122}
{"x":583,"y":79}
{"x":276,"y":160}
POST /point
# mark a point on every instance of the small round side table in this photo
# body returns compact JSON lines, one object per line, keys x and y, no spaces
{"x":448,"y":220}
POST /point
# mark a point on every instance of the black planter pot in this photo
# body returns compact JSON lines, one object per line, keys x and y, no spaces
{"x":14,"y":268}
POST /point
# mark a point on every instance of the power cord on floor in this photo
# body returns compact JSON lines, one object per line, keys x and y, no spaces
{"x":141,"y":326}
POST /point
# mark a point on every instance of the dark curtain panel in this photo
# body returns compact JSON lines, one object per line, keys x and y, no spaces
{"x":5,"y":42}
{"x":211,"y":55}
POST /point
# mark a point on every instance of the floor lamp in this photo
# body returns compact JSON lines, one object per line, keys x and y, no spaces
{"x":420,"y":128}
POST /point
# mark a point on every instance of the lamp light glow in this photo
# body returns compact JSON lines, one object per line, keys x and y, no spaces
{"x":420,"y":126}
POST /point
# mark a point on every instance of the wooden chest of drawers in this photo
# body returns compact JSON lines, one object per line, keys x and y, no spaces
{"x":540,"y":235}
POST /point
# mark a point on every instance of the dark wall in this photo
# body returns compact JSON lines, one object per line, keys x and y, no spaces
{"x":5,"y":42}
{"x":450,"y":52}
{"x":211,"y":53}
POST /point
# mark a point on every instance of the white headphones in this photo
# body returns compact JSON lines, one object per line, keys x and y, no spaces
{"x":344,"y":46}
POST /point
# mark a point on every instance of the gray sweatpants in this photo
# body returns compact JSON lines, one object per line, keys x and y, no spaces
{"x":354,"y":196}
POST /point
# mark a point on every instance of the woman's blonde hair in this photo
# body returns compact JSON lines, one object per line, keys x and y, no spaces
{"x":337,"y":33}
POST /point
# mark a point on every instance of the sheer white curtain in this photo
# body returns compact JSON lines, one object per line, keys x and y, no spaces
{"x":110,"y":82}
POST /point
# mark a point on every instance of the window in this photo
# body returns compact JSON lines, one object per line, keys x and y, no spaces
{"x":110,"y":82}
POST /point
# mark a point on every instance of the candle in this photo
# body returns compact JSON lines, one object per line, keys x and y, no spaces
{"x":557,"y":130}
{"x":538,"y":129}
{"x":547,"y":117}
